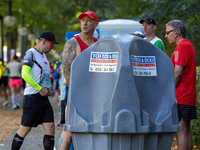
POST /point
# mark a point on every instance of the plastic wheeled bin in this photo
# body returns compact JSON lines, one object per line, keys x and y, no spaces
{"x":122,"y":96}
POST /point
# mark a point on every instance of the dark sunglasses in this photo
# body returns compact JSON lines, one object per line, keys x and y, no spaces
{"x":167,"y":32}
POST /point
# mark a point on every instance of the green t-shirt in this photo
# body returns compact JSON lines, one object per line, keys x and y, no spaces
{"x":157,"y":42}
{"x":5,"y":73}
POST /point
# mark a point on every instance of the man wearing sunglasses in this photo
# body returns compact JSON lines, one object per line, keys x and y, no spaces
{"x":184,"y":62}
{"x":149,"y":28}
{"x":36,"y":106}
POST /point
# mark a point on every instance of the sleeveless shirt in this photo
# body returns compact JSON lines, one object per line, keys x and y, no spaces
{"x":82,"y":44}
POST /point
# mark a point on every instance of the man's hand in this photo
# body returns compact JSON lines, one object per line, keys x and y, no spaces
{"x":50,"y":92}
{"x":43,"y":92}
{"x":58,"y":70}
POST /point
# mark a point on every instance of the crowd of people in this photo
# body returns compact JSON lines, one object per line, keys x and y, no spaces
{"x":11,"y":82}
{"x":11,"y":76}
{"x":36,"y":68}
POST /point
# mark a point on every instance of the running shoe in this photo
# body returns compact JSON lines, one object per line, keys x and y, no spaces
{"x":14,"y":107}
{"x":59,"y":125}
{"x":18,"y":105}
{"x":5,"y":103}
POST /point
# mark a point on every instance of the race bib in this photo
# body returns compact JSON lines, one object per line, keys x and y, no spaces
{"x":45,"y":81}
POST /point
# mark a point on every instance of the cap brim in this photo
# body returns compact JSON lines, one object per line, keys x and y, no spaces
{"x":81,"y":16}
{"x":141,"y":21}
{"x":55,"y":42}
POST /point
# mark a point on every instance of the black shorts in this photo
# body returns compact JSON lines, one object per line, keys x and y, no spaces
{"x":4,"y":81}
{"x":62,"y":117}
{"x":23,"y":83}
{"x":186,"y":112}
{"x":36,"y":110}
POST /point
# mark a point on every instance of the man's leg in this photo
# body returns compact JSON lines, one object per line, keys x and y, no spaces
{"x":19,"y":137}
{"x":189,"y":135}
{"x":5,"y":93}
{"x":5,"y":103}
{"x":49,"y":131}
{"x":181,"y":136}
{"x":5,"y":87}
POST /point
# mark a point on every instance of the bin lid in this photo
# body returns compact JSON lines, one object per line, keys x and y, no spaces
{"x":119,"y":23}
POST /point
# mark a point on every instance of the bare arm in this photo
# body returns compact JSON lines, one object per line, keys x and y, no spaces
{"x":8,"y":70}
{"x":69,"y":53}
{"x":178,"y":72}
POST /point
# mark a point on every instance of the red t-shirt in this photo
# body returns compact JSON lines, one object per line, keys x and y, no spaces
{"x":82,"y":44}
{"x":184,"y":55}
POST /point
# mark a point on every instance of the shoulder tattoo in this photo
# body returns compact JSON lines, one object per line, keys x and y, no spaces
{"x":69,"y":53}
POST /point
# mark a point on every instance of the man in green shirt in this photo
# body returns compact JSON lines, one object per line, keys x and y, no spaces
{"x":149,"y":27}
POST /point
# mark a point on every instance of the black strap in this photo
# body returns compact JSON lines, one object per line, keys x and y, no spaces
{"x":37,"y":63}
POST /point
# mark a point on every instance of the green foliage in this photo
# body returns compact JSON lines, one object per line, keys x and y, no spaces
{"x":131,"y":9}
{"x":60,"y":16}
{"x":186,"y":10}
{"x":196,"y":123}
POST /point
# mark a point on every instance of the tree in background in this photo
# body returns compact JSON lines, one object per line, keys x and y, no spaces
{"x":60,"y":16}
{"x":186,"y":10}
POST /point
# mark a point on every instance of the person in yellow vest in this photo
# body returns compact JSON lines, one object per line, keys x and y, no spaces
{"x":4,"y":80}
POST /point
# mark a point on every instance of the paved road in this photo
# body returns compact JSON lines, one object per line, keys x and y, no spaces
{"x":34,"y":139}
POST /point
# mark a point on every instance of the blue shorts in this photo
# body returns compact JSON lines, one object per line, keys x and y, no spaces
{"x":36,"y":110}
{"x":186,"y":112}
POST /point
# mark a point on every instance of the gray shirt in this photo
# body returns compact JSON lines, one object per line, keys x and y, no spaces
{"x":15,"y":69}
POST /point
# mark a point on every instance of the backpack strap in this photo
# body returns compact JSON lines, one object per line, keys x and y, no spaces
{"x":37,"y":63}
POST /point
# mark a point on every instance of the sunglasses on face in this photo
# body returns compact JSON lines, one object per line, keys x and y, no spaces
{"x":167,"y":32}
{"x":48,"y":42}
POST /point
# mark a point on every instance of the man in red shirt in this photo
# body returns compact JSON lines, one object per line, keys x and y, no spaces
{"x":184,"y":62}
{"x":73,"y":48}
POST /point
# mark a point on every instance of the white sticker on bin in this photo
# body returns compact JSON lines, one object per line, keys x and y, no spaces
{"x":105,"y":62}
{"x":144,"y":65}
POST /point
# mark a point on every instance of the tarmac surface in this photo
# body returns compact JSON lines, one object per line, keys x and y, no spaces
{"x":34,"y":139}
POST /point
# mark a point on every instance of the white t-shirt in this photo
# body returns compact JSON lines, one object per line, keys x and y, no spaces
{"x":31,"y":55}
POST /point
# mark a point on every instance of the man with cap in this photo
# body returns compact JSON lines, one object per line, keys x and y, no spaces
{"x":36,"y":106}
{"x":149,"y":28}
{"x":73,"y":48}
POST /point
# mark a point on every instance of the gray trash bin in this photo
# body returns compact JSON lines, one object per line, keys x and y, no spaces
{"x":122,"y":96}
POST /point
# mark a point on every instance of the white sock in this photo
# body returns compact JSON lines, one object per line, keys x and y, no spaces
{"x":13,"y":99}
{"x":18,"y":98}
